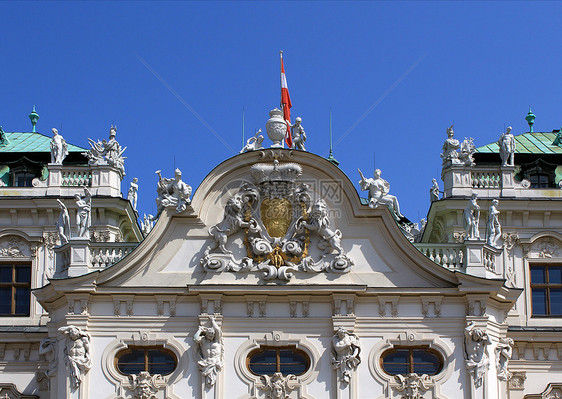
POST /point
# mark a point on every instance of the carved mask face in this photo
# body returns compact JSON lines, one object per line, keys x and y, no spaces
{"x":277,"y":391}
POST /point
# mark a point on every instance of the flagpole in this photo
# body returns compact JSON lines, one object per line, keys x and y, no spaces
{"x":280,"y":77}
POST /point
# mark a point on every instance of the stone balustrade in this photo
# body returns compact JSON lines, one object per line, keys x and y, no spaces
{"x":451,"y":256}
{"x":77,"y":176}
{"x":105,"y":254}
{"x":486,"y":178}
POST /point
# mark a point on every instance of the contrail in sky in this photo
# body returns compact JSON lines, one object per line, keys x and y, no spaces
{"x":185,"y":104}
{"x":380,"y":99}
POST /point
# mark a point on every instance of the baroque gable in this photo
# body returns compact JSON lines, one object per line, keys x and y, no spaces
{"x":277,"y":217}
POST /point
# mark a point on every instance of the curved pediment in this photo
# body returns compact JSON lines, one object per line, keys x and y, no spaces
{"x":277,"y":217}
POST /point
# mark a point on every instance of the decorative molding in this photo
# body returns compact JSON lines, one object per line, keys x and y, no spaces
{"x":278,"y":386}
{"x":145,"y":386}
{"x":10,"y":391}
{"x":393,"y":301}
{"x":552,"y":391}
{"x":517,"y":380}
{"x":275,"y":339}
{"x":412,"y":386}
{"x":390,"y":384}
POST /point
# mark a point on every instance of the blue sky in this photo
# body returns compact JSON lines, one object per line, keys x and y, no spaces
{"x":416,"y":67}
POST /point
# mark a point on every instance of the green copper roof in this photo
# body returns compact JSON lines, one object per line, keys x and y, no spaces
{"x":528,"y":143}
{"x":31,"y":142}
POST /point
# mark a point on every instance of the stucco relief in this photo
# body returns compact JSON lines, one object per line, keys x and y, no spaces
{"x":546,"y":246}
{"x":412,"y":386}
{"x":345,"y":357}
{"x":282,"y":228}
{"x":476,"y":349}
{"x":145,"y":386}
{"x":14,"y":247}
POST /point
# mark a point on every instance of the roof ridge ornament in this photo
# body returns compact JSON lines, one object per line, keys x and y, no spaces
{"x":34,"y":117}
{"x":530,"y":118}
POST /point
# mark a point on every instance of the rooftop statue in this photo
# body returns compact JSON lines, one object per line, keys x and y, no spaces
{"x":467,"y":151}
{"x":84,"y":214}
{"x":77,"y":352}
{"x":434,"y":191}
{"x":298,"y":134}
{"x":378,"y":192}
{"x":471,"y":218}
{"x":494,"y":226}
{"x":107,"y":152}
{"x":346,"y":350}
{"x":63,"y":224}
{"x":253,"y":143}
{"x":59,"y":148}
{"x":132,"y":194}
{"x":507,"y":147}
{"x":211,"y":351}
{"x":450,"y":147}
{"x":147,"y":223}
{"x":172,"y":192}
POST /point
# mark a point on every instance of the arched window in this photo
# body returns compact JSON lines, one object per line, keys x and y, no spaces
{"x":273,"y":359}
{"x":154,"y":359}
{"x":405,"y":360}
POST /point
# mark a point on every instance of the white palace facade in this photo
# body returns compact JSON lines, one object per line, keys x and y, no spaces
{"x":277,"y":280}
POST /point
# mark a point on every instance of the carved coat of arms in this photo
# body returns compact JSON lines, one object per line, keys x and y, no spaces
{"x":277,"y":219}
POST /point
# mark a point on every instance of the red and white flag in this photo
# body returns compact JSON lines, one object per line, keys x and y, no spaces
{"x":286,"y":103}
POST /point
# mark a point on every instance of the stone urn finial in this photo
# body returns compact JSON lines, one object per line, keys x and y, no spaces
{"x":276,"y":127}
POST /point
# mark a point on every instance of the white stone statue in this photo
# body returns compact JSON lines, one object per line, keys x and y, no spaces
{"x":253,"y":143}
{"x":107,"y":152}
{"x":172,"y":192}
{"x":144,"y":385}
{"x":450,"y":147}
{"x":84,"y":214}
{"x":59,"y":148}
{"x":278,"y":386}
{"x":147,"y":223}
{"x":211,"y":351}
{"x":503,"y":351}
{"x":434,"y":191}
{"x":63,"y":224}
{"x":132,"y":194}
{"x":298,"y":134}
{"x":379,"y":192}
{"x":78,"y":359}
{"x":319,"y":223}
{"x":494,"y":226}
{"x":48,"y":348}
{"x":412,"y":386}
{"x":507,"y":147}
{"x":471,"y":218}
{"x":466,"y":155}
{"x":345,"y":356}
{"x":476,"y":341}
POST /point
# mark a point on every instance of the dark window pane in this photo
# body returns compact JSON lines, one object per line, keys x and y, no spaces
{"x":537,"y":275}
{"x":292,"y":362}
{"x":424,"y":356}
{"x":5,"y":301}
{"x":22,"y":301}
{"x":130,"y":368}
{"x":429,"y":369}
{"x":539,"y":302}
{"x":394,"y":369}
{"x":160,"y":362}
{"x":6,"y":274}
{"x":131,"y":362}
{"x":262,"y":368}
{"x":399,"y":356}
{"x":556,"y":302}
{"x":23,"y":274}
{"x":267,"y":356}
{"x":555,"y":275}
